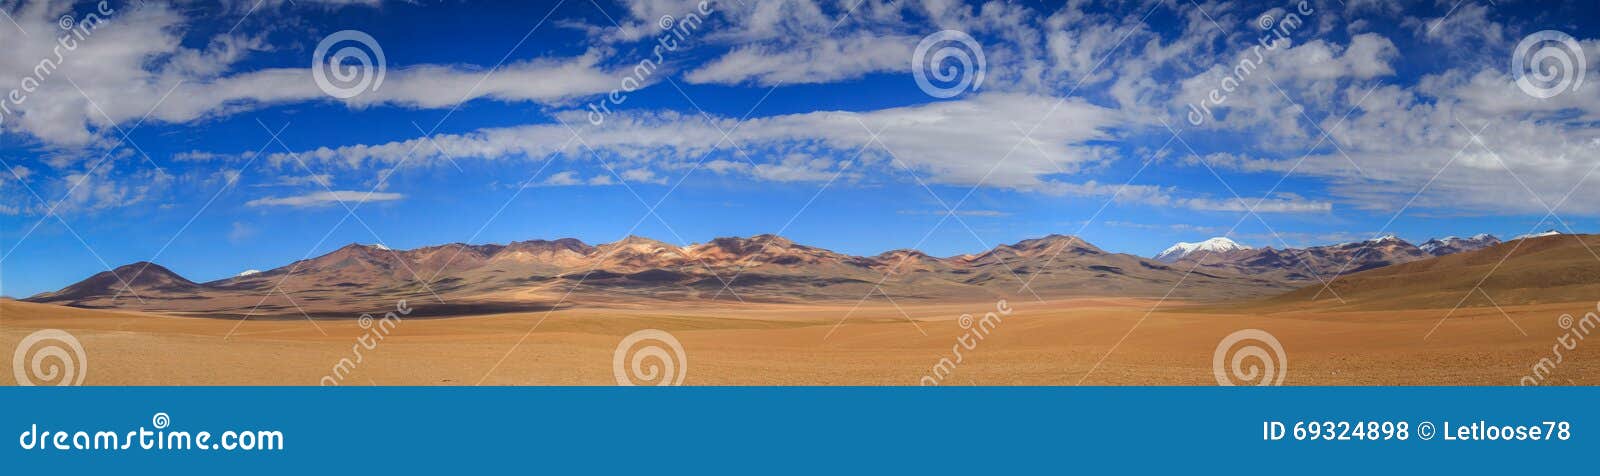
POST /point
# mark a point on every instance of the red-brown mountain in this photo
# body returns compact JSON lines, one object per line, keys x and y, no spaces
{"x":1323,"y":263}
{"x":137,"y":281}
{"x":1553,"y":268}
{"x":460,"y":278}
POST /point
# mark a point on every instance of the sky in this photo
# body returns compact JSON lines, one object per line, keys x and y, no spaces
{"x":214,"y":138}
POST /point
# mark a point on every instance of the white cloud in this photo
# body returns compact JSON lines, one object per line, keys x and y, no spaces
{"x":1403,"y":143}
{"x":964,"y":143}
{"x":956,"y":142}
{"x":825,"y":61}
{"x":1460,"y":26}
{"x":136,"y":57}
{"x":1169,"y":197}
{"x":1130,"y":73}
{"x":570,"y":178}
{"x":562,"y":179}
{"x":318,"y":199}
{"x":248,"y":6}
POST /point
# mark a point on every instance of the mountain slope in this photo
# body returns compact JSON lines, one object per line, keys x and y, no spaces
{"x":132,"y":282}
{"x":1452,"y":245}
{"x":538,"y":274}
{"x":1549,"y":269}
{"x":1184,"y":250}
{"x":1314,"y":264}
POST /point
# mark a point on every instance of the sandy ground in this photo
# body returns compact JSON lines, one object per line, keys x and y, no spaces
{"x":1067,"y":342}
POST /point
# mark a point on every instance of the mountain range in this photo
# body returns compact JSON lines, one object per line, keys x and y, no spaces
{"x":1315,"y":264}
{"x":458,"y":278}
{"x":530,"y":275}
{"x":1542,"y":269}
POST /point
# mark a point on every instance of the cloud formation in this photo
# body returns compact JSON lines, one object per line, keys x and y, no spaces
{"x":327,"y":198}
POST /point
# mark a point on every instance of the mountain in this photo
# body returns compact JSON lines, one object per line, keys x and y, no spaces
{"x":457,"y":278}
{"x":1452,"y":245}
{"x":1312,"y":264}
{"x":1547,"y":269}
{"x":1183,"y":250}
{"x":1536,"y":235}
{"x":132,"y":282}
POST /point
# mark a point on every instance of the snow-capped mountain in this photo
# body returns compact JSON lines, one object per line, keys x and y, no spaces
{"x":1183,"y":250}
{"x":1321,"y":263}
{"x":1374,"y":241}
{"x":1536,"y":235}
{"x":1452,"y":245}
{"x":772,"y":269}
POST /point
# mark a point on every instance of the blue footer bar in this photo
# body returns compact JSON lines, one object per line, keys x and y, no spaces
{"x":796,"y":430}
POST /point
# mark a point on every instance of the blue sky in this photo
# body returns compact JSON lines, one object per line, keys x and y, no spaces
{"x":1081,"y":124}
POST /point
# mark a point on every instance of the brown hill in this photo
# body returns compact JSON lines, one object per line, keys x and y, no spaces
{"x":133,"y":282}
{"x":1550,"y":269}
{"x":1315,"y":264}
{"x":767,"y":268}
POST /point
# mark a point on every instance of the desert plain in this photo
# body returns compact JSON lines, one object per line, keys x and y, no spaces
{"x":1081,"y":341}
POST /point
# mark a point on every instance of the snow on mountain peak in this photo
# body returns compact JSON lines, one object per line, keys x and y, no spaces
{"x":1183,"y":249}
{"x":1454,"y":244}
{"x":1536,"y":235}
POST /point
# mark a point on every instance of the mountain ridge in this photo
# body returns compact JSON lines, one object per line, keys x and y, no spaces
{"x":636,"y":269}
{"x":1315,"y":264}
